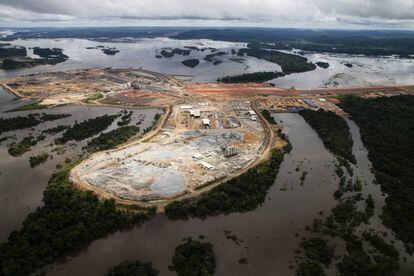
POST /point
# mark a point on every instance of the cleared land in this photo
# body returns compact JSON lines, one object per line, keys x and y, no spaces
{"x":90,"y":85}
{"x":199,"y":144}
{"x":208,"y":134}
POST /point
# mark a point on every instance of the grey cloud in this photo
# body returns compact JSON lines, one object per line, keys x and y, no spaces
{"x":251,"y":10}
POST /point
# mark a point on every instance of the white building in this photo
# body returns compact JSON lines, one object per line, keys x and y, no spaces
{"x":186,"y":107}
{"x":206,"y":165}
{"x":197,"y":156}
{"x":195,"y":112}
{"x":206,"y":122}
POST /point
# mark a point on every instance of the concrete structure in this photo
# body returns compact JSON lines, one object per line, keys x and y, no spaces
{"x":197,"y":156}
{"x":186,"y":107}
{"x":206,"y":122}
{"x":206,"y":165}
{"x":230,"y":151}
{"x":196,"y":113}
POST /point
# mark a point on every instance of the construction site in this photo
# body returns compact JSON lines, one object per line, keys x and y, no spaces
{"x":96,"y":85}
{"x":295,"y":104}
{"x":208,"y":134}
{"x":200,"y":143}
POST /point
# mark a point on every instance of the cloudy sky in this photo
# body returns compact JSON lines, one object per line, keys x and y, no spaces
{"x":299,"y":13}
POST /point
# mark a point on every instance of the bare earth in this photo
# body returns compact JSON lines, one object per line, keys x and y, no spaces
{"x":208,"y":133}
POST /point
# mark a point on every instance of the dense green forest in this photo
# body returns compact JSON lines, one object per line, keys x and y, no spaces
{"x":31,"y":120}
{"x":26,"y":62}
{"x":386,"y":130}
{"x":240,"y":194}
{"x":19,"y":122}
{"x":7,"y":50}
{"x":194,"y":258}
{"x":15,"y":57}
{"x":54,"y":130}
{"x":55,"y":53}
{"x":130,"y":268}
{"x":386,"y":126}
{"x":69,"y":220}
{"x":251,"y":77}
{"x":86,"y":129}
{"x":366,"y":42}
{"x":333,"y":130}
{"x":112,"y":139}
{"x":289,"y":63}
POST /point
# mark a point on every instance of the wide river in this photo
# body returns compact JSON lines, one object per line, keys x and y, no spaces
{"x":267,"y":236}
{"x":365,"y":70}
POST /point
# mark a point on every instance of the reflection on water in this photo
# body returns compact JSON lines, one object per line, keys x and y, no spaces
{"x":141,"y":53}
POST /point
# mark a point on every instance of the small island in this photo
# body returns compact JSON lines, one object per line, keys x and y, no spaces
{"x":322,"y":64}
{"x":251,"y":77}
{"x":110,"y":51}
{"x":194,"y":258}
{"x":169,"y":53}
{"x":16,"y":57}
{"x":191,"y":62}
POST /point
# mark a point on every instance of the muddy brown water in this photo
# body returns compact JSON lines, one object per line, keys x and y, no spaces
{"x":267,"y":235}
{"x":21,"y":187}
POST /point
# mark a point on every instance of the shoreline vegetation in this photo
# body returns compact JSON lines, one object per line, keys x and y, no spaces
{"x":243,"y":193}
{"x":251,"y":77}
{"x":110,"y":140}
{"x":86,"y":129}
{"x":70,"y":218}
{"x":333,"y":131}
{"x":194,"y":257}
{"x":381,"y":122}
{"x":290,"y":63}
{"x":62,"y":226}
{"x":133,"y":268}
{"x":16,"y":57}
{"x":191,"y":62}
{"x":386,"y":126}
